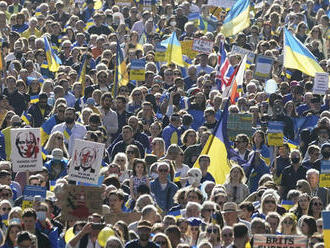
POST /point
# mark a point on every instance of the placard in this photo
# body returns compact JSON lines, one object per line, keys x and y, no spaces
{"x":128,"y":218}
{"x":160,"y":53}
{"x":137,"y":70}
{"x":186,"y":47}
{"x":325,"y":174}
{"x":81,"y":201}
{"x":321,"y":83}
{"x":226,"y":4}
{"x":26,"y":149}
{"x":202,"y":46}
{"x":123,"y":3}
{"x":285,"y":241}
{"x":242,"y":51}
{"x":239,"y":123}
{"x":264,"y":66}
{"x":30,"y":192}
{"x":86,"y":161}
{"x":275,"y":134}
{"x":326,"y":228}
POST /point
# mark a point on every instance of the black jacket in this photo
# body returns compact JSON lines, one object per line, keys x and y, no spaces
{"x":37,"y":117}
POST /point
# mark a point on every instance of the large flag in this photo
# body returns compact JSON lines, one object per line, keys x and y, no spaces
{"x":216,"y":147}
{"x":297,"y":56}
{"x":237,"y":18}
{"x":121,"y":73}
{"x":326,"y":228}
{"x":52,"y":59}
{"x":173,"y":51}
{"x":82,"y":72}
{"x":143,"y":40}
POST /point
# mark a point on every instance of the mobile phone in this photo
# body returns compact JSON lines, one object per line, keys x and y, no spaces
{"x":98,"y":226}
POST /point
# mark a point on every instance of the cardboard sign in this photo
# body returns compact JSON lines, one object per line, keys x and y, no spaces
{"x":239,"y":123}
{"x":126,"y":217}
{"x":325,"y":174}
{"x":226,"y":4}
{"x":242,"y":51}
{"x":275,"y":133}
{"x":186,"y":47}
{"x":202,"y":46}
{"x":26,"y":149}
{"x":287,"y":241}
{"x":137,"y":70}
{"x":160,"y":53}
{"x":86,"y":161}
{"x":321,"y":83}
{"x":81,"y":201}
{"x":264,"y":66}
{"x":30,"y":192}
{"x":123,"y":3}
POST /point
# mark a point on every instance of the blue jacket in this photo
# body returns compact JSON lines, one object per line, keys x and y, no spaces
{"x":52,"y":234}
{"x":64,"y":163}
{"x":164,"y":198}
{"x":169,"y":134}
{"x":256,"y":173}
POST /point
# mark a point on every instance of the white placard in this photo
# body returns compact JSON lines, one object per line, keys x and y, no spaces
{"x":86,"y":161}
{"x":243,"y":51}
{"x":26,"y":149}
{"x":226,"y":4}
{"x":202,"y":46}
{"x":321,"y":83}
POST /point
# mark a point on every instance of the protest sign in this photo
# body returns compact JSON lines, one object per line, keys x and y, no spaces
{"x":202,"y":46}
{"x":275,"y":133}
{"x":321,"y":83}
{"x":325,"y":173}
{"x":123,"y":3}
{"x":79,"y":202}
{"x":263,"y":68}
{"x":86,"y":161}
{"x":26,"y":149}
{"x":29,"y":194}
{"x":226,"y":4}
{"x":272,"y":240}
{"x":194,"y":17}
{"x":137,"y":70}
{"x":326,"y":228}
{"x":128,"y":218}
{"x":242,"y":51}
{"x":239,"y":123}
{"x":186,"y":47}
{"x":160,"y":53}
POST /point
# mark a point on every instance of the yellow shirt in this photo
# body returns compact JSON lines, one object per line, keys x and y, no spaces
{"x":27,"y":33}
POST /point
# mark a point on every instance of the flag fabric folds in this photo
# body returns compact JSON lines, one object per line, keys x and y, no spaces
{"x":216,"y":147}
{"x":237,"y":85}
{"x":46,"y":129}
{"x":82,"y":72}
{"x":142,"y":41}
{"x":173,"y":51}
{"x":27,"y":118}
{"x":326,"y":228}
{"x":53,"y":60}
{"x":297,"y":56}
{"x":34,"y":99}
{"x":237,"y":18}
{"x":121,"y":73}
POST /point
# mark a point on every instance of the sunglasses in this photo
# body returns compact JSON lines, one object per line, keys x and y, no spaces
{"x":163,"y":170}
{"x":6,"y":194}
{"x":5,"y":209}
{"x":214,"y":230}
{"x":269,"y":201}
{"x":161,"y":242}
{"x":288,"y":222}
{"x":227,"y":234}
{"x":59,"y":138}
{"x":317,"y":204}
{"x":130,"y":152}
{"x":208,"y":209}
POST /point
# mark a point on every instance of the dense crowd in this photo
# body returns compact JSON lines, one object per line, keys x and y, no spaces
{"x":154,"y":130}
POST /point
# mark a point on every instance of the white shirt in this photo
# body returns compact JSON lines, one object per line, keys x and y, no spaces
{"x":110,"y":120}
{"x":78,"y":132}
{"x":138,"y":27}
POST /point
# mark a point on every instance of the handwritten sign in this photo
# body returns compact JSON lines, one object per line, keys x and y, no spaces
{"x":226,"y":4}
{"x":137,"y":70}
{"x":321,"y":83}
{"x":30,"y":192}
{"x":202,"y":46}
{"x":160,"y":53}
{"x":275,"y":133}
{"x":242,"y":51}
{"x":239,"y":123}
{"x":186,"y":47}
{"x":263,"y":68}
{"x":278,"y":241}
{"x":325,"y":173}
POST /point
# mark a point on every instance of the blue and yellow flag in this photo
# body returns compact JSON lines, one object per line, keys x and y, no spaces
{"x":53,"y":60}
{"x":143,"y":40}
{"x":121,"y":73}
{"x":297,"y":56}
{"x":177,"y":177}
{"x":174,"y":51}
{"x":216,"y":147}
{"x":82,"y":72}
{"x":46,"y":129}
{"x":89,"y":23}
{"x":287,"y":204}
{"x":34,"y":99}
{"x":52,"y":184}
{"x":326,"y":228}
{"x":176,"y":213}
{"x":237,"y":18}
{"x":27,"y":118}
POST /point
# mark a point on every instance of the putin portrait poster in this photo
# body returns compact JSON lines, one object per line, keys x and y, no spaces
{"x":26,"y":149}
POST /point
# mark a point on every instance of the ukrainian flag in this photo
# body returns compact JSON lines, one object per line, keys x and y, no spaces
{"x":174,"y":51}
{"x":326,"y":228}
{"x":27,"y":118}
{"x":52,"y":184}
{"x":89,"y":23}
{"x":1,"y":61}
{"x":46,"y":129}
{"x":177,"y":177}
{"x":142,"y":40}
{"x":237,"y":18}
{"x":52,"y":59}
{"x":34,"y":99}
{"x":44,"y":153}
{"x":177,"y":214}
{"x":287,"y":204}
{"x":297,"y":56}
{"x":121,"y":73}
{"x":82,"y":72}
{"x":217,"y":147}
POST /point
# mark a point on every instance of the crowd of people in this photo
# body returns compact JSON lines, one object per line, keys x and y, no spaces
{"x":154,"y":130}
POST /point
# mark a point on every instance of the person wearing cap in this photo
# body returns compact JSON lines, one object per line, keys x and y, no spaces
{"x":39,"y":111}
{"x":57,"y":165}
{"x":230,"y":212}
{"x":144,"y":229}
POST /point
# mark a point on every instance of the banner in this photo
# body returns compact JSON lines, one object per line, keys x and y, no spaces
{"x":321,"y":83}
{"x":325,"y":173}
{"x":123,"y":3}
{"x":226,"y":4}
{"x":86,"y":161}
{"x":30,"y":193}
{"x":26,"y":149}
{"x":202,"y":46}
{"x":186,"y":47}
{"x":242,"y":51}
{"x":239,"y":123}
{"x":326,"y":228}
{"x":160,"y":53}
{"x":128,"y":218}
{"x":137,"y":70}
{"x":278,"y":241}
{"x":264,"y":66}
{"x":81,"y":201}
{"x":275,"y":133}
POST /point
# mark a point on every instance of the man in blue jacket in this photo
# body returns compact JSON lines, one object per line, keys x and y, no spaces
{"x":171,"y":134}
{"x":162,"y":188}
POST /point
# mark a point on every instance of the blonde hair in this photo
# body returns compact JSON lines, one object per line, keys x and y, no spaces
{"x":50,"y":145}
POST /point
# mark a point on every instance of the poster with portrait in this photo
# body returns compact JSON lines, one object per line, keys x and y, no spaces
{"x":26,"y":149}
{"x":86,"y":161}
